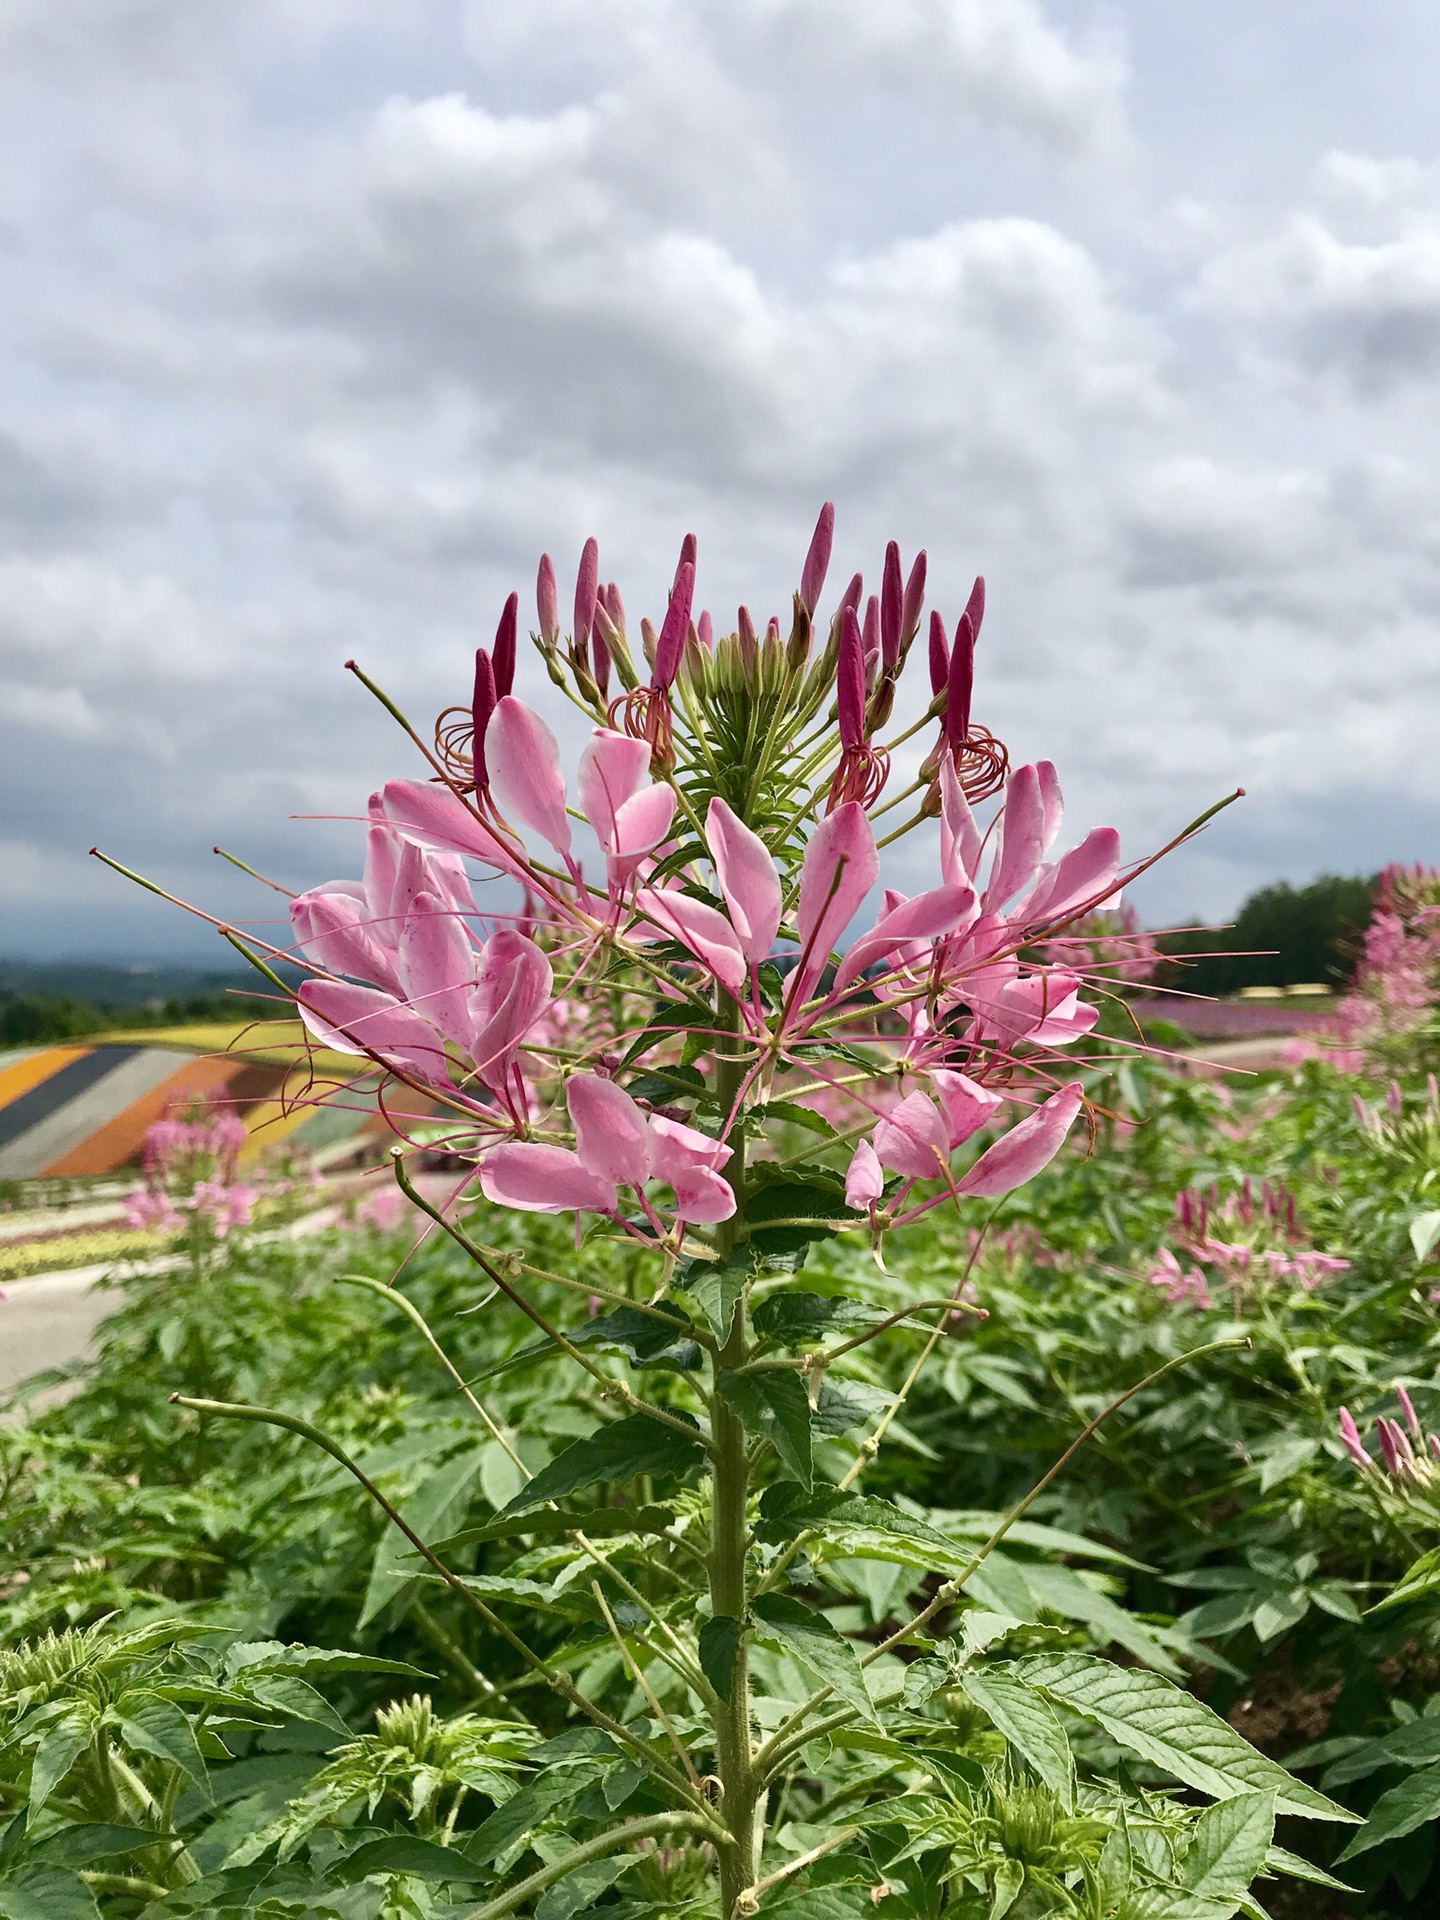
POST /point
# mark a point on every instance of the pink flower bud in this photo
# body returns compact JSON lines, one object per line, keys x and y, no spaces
{"x":749,"y":640}
{"x":587,"y":586}
{"x":850,"y":684}
{"x":1408,"y":1409}
{"x":939,"y":652}
{"x":705,"y":630}
{"x":547,"y":603}
{"x":913,"y":601}
{"x":1350,"y":1436}
{"x":817,"y":560}
{"x":689,"y":557}
{"x":891,"y":602}
{"x":677,"y":621}
{"x":960,"y":683}
{"x":502,"y":656}
{"x":482,"y":705}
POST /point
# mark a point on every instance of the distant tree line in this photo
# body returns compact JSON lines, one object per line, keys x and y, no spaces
{"x":28,"y":1019}
{"x":1282,"y":936}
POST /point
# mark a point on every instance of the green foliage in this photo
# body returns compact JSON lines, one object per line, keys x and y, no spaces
{"x":1283,"y":936}
{"x":208,"y":1701}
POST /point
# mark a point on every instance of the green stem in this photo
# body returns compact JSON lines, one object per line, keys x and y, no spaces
{"x":729,"y":1523}
{"x":603,"y":1843}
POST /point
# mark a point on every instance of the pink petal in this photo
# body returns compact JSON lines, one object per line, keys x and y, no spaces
{"x":704,"y":930}
{"x":967,"y":1105}
{"x":644,"y":821}
{"x":702,"y":1197}
{"x":332,"y":930}
{"x":748,"y":882}
{"x":1022,"y":838}
{"x":613,"y":768}
{"x":1053,"y":801}
{"x":359,"y":1020}
{"x":676,"y":1149}
{"x":1017,"y":1156}
{"x":438,"y":967}
{"x":540,"y":1179}
{"x":611,"y":1136}
{"x":960,"y":841}
{"x":865,"y":1180}
{"x":839,"y":869}
{"x":431,"y":817}
{"x":1077,"y":877}
{"x":524,"y":761}
{"x":512,"y":988}
{"x":912,"y":1139}
{"x":926,"y":917}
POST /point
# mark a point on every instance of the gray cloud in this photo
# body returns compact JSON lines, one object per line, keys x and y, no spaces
{"x":323,"y":327}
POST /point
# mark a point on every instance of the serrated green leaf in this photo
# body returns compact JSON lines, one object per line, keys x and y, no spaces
{"x":1029,"y":1723}
{"x":1164,"y":1724}
{"x":527,"y":1808}
{"x":796,"y":1318}
{"x":58,"y":1750}
{"x":819,"y":1647}
{"x":1418,"y":1580}
{"x":719,"y":1642}
{"x":407,"y":1853}
{"x":619,"y":1452}
{"x":774,"y":1404}
{"x":1411,"y":1804}
{"x":1008,"y":1881}
{"x":46,"y":1893}
{"x":796,"y":1115}
{"x":159,"y":1727}
{"x":1229,"y":1845}
{"x":1281,"y":1860}
{"x":577,"y":1892}
{"x":87,"y":1841}
{"x":716,"y":1286}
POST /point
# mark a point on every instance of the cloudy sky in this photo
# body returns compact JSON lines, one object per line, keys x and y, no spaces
{"x":320,"y":321}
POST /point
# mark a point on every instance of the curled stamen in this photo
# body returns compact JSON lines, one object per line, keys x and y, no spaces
{"x":861,"y":775}
{"x":981,"y":762}
{"x":644,"y":714}
{"x":454,"y":742}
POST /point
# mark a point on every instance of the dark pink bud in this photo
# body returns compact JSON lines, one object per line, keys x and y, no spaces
{"x":547,"y":602}
{"x":850,"y":683}
{"x":482,"y":705}
{"x":959,"y":684}
{"x":587,"y":586}
{"x":851,"y":596}
{"x":772,"y":627}
{"x":939,"y":652}
{"x":689,"y":551}
{"x":870,"y":632}
{"x":599,"y":650}
{"x":975,"y":605}
{"x":892,"y":599}
{"x":705,"y":630}
{"x":817,"y":560}
{"x":502,"y":658}
{"x":1407,"y":1407}
{"x":1388,"y":1448}
{"x":677,"y":622}
{"x":913,"y":601}
{"x":615,"y":607}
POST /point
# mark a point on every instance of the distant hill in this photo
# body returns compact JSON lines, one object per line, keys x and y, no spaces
{"x":105,"y":984}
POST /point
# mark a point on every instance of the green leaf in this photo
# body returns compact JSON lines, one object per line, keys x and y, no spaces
{"x":159,"y":1727}
{"x":406,"y":1853}
{"x":796,"y":1319}
{"x":774,"y":1403}
{"x":1416,"y":1744}
{"x":59,"y":1748}
{"x":666,"y":1086}
{"x":577,"y":1892}
{"x":434,"y":1508}
{"x":1113,"y":1869}
{"x":817,"y":1645}
{"x":1281,"y":1860}
{"x":620,"y":1452}
{"x":541,"y":1526}
{"x":1163,"y":1724}
{"x":716,"y":1286}
{"x":46,"y":1893}
{"x":1009,"y":1879}
{"x":786,"y":1509}
{"x":719,"y":1641}
{"x":1412,"y":1804}
{"x":1417,"y":1581}
{"x":800,"y":1210}
{"x":797,"y":1116}
{"x":1229,"y":1845}
{"x":1030,"y":1724}
{"x":298,"y":1658}
{"x":1424,"y":1232}
{"x":89,"y":1840}
{"x":527,"y":1808}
